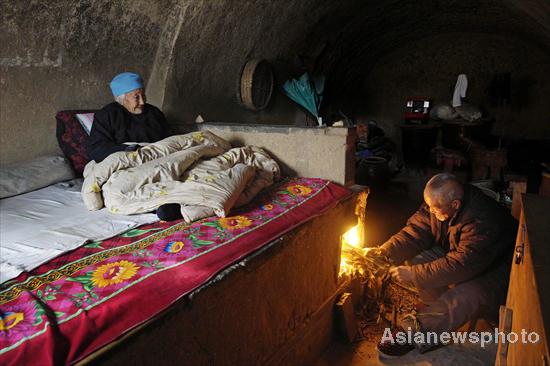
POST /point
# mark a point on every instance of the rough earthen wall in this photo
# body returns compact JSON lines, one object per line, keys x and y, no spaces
{"x":61,"y":54}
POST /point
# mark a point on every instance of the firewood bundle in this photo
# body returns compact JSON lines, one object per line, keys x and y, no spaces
{"x":383,"y":298}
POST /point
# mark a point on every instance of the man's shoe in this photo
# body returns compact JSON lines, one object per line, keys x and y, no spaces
{"x":391,"y":348}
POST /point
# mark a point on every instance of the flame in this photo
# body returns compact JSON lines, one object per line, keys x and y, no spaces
{"x":350,"y":239}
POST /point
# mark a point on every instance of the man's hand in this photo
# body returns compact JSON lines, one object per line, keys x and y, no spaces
{"x":402,"y":274}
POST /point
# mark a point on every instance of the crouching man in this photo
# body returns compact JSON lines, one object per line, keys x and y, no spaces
{"x":456,"y":250}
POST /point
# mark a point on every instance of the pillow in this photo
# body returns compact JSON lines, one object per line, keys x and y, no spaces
{"x":31,"y":175}
{"x":86,"y":120}
{"x":72,"y":138}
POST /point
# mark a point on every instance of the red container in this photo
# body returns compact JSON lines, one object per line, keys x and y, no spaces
{"x":417,"y":109}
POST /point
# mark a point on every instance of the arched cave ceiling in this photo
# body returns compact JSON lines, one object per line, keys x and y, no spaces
{"x":61,"y":54}
{"x":343,"y":39}
{"x":357,"y":33}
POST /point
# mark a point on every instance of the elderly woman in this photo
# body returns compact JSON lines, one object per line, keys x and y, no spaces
{"x":129,"y":119}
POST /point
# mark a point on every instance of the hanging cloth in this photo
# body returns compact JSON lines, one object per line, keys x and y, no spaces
{"x":460,"y":90}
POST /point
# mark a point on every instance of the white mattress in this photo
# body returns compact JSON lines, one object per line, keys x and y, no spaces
{"x":38,"y":226}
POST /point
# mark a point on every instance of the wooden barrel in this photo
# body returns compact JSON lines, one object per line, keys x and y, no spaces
{"x":372,"y":171}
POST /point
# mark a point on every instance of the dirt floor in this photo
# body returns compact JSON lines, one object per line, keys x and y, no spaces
{"x":387,"y":211}
{"x":363,"y":353}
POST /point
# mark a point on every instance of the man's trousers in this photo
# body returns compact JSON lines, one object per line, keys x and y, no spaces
{"x":449,"y":308}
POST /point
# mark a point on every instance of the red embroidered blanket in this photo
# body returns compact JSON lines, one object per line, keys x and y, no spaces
{"x":82,"y":300}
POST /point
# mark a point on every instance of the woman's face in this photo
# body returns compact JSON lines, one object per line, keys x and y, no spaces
{"x":134,"y":101}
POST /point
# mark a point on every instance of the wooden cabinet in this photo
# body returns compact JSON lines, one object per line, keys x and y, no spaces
{"x":528,"y":303}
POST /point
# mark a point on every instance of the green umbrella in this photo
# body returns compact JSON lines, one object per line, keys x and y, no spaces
{"x":307,"y":92}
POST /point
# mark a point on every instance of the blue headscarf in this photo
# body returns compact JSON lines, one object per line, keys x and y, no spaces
{"x":126,"y":82}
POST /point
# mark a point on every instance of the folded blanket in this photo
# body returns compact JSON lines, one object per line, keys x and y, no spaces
{"x":178,"y":170}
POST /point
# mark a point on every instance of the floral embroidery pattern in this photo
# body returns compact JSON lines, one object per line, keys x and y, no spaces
{"x":85,"y":278}
{"x":235,"y":222}
{"x":49,"y":293}
{"x":95,"y":244}
{"x":83,"y":299}
{"x":113,"y":273}
{"x":17,"y":319}
{"x":174,"y":247}
{"x":198,"y":137}
{"x":10,"y":319}
{"x":299,"y":190}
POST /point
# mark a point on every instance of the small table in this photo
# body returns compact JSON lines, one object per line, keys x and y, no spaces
{"x":455,"y":129}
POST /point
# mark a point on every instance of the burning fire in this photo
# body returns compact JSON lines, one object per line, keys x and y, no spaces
{"x":351,"y":247}
{"x":353,"y":240}
{"x":351,"y":237}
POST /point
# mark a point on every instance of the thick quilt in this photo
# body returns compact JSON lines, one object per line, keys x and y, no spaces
{"x":78,"y":302}
{"x":199,"y":170}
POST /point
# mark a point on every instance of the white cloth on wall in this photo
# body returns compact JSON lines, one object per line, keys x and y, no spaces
{"x":460,"y":90}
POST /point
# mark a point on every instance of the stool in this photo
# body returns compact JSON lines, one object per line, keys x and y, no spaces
{"x":490,"y":161}
{"x":449,"y":158}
